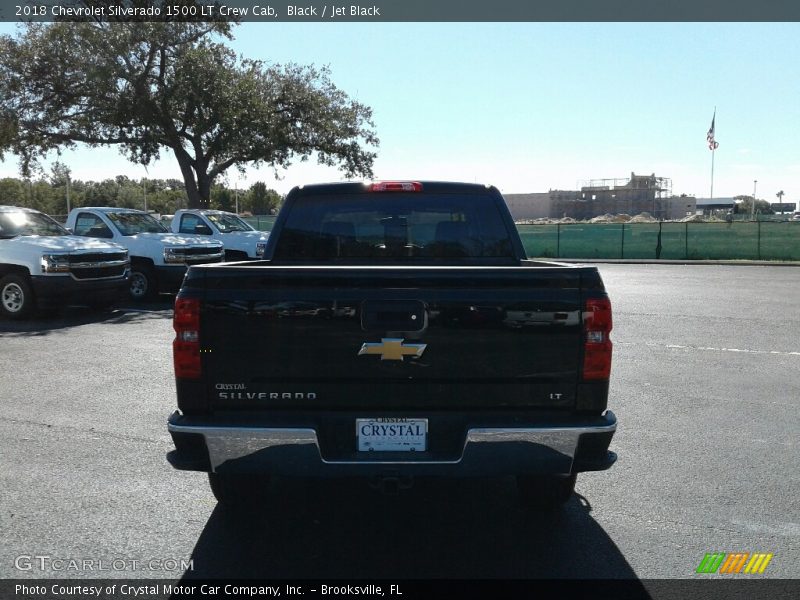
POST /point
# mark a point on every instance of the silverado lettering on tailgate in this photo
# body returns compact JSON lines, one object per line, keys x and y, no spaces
{"x":267,"y":396}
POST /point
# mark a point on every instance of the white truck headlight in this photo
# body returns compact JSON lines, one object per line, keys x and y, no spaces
{"x":55,"y":263}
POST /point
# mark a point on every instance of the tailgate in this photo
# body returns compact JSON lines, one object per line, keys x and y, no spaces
{"x":391,"y":337}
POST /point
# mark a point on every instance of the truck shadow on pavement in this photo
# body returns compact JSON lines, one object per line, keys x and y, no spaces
{"x":76,"y":316}
{"x":458,"y":529}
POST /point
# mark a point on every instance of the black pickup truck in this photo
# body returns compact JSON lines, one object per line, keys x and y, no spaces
{"x":394,"y":329}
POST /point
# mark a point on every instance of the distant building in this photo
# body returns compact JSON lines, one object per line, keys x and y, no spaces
{"x":640,"y":193}
{"x":780,"y":208}
{"x":530,"y":206}
{"x":708,"y":206}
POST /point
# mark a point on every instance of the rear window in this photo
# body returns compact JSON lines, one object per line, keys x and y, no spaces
{"x":394,"y":226}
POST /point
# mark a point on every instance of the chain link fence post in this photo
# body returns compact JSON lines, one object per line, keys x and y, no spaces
{"x":686,"y":242}
{"x":558,"y":241}
{"x":759,"y":240}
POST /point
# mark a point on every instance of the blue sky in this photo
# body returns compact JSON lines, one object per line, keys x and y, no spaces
{"x":534,"y":106}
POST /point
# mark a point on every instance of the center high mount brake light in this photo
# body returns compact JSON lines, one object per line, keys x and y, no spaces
{"x":395,"y":186}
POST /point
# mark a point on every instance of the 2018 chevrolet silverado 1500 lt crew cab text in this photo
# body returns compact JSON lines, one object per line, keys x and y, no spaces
{"x":42,"y":265}
{"x":241,"y":241}
{"x":159,"y":258}
{"x":394,"y":329}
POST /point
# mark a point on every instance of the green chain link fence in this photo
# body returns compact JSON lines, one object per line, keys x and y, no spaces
{"x":751,"y":240}
{"x":262,"y":223}
{"x":716,"y":241}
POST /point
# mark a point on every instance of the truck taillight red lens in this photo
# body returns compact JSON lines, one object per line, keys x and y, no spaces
{"x":597,"y":343}
{"x":396,"y":186}
{"x":186,"y":347}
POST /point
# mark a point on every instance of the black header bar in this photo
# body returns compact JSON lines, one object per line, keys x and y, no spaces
{"x":540,"y":589}
{"x":331,"y":11}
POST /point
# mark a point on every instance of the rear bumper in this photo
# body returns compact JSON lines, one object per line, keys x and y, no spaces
{"x":580,"y":445}
{"x":55,"y":291}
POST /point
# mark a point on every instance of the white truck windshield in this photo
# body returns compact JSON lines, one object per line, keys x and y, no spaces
{"x":22,"y":222}
{"x":228,"y":223}
{"x":131,"y":223}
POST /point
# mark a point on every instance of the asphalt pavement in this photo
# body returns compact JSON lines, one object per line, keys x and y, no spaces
{"x":705,"y":384}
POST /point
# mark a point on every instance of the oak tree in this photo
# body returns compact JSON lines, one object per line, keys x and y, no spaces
{"x":149,"y":86}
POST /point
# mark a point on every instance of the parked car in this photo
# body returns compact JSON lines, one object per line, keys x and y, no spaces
{"x":394,"y":329}
{"x":796,"y":216}
{"x":241,"y":241}
{"x":42,"y":265}
{"x":159,"y":258}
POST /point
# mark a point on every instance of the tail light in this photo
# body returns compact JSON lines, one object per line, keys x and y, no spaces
{"x":186,"y":347}
{"x":597,"y":343}
{"x":396,"y":186}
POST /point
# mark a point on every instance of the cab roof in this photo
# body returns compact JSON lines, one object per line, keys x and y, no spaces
{"x":109,"y":209}
{"x":205,"y":211}
{"x":368,"y":187}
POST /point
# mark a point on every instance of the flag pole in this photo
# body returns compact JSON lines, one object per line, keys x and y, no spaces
{"x":713,"y":150}
{"x":712,"y":172}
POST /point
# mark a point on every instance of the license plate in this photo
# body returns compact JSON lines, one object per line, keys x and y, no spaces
{"x":392,"y":435}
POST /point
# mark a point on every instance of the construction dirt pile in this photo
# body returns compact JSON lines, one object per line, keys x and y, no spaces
{"x":608,"y":218}
{"x":644,"y":217}
{"x":701,"y":219}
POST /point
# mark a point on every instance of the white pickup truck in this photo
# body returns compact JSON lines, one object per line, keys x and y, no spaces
{"x":159,"y":258}
{"x":241,"y":241}
{"x":42,"y":265}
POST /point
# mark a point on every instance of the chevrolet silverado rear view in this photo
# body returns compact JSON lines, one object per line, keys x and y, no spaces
{"x":393,"y":330}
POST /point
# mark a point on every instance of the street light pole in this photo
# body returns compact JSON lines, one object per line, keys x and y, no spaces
{"x":753,"y":207}
{"x":144,"y":193}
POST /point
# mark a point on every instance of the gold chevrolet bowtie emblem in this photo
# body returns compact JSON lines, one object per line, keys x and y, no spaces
{"x":393,"y":349}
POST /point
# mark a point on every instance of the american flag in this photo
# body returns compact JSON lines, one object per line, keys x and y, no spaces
{"x":712,"y":145}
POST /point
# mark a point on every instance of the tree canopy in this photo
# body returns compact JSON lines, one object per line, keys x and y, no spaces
{"x":745,"y":205}
{"x":145,"y":87}
{"x":165,"y":196}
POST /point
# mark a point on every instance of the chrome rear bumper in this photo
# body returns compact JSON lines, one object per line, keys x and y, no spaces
{"x":486,"y":451}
